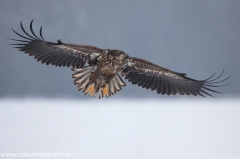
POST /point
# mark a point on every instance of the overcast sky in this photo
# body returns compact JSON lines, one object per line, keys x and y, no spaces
{"x":195,"y":37}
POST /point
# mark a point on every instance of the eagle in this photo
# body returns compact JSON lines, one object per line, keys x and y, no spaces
{"x":98,"y":71}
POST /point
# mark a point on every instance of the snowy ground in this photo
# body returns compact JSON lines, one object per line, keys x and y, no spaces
{"x":122,"y":129}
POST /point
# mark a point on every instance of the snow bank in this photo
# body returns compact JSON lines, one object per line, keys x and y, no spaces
{"x":122,"y":129}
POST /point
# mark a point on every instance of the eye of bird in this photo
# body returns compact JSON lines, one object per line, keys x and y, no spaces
{"x":123,"y":56}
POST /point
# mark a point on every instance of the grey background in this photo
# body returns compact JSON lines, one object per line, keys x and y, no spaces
{"x":195,"y":37}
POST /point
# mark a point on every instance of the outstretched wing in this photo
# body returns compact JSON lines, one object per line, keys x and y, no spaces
{"x":165,"y":81}
{"x":58,"y":54}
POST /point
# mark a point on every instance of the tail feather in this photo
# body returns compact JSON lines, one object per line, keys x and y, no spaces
{"x":80,"y":74}
{"x":120,"y":81}
{"x":116,"y":85}
{"x":112,"y":90}
{"x":100,"y":83}
{"x":85,"y":90}
{"x":82,"y":79}
{"x":83,"y":85}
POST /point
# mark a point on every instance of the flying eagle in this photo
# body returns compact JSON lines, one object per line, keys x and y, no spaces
{"x":96,"y":69}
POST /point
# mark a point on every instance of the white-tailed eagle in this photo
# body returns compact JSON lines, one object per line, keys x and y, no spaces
{"x":96,"y":69}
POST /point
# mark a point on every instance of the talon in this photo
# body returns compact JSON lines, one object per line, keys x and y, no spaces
{"x":105,"y":90}
{"x":91,"y":90}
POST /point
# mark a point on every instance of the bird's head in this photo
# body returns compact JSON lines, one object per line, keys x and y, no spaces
{"x":123,"y":56}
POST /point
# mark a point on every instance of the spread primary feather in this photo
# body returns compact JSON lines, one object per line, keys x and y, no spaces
{"x":96,"y":69}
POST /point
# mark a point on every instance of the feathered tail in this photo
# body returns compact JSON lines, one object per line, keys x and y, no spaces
{"x":83,"y":76}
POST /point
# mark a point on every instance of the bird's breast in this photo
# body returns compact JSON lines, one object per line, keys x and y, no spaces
{"x":108,"y":67}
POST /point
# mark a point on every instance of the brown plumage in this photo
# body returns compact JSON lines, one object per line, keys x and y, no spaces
{"x":100,"y":75}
